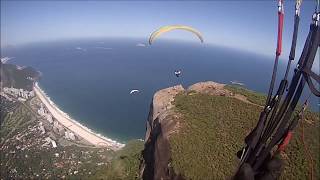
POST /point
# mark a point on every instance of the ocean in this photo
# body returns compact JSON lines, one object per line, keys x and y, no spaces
{"x":90,"y":79}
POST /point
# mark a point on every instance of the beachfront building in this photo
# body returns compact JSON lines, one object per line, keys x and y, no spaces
{"x":44,"y":113}
{"x":49,"y":118}
{"x":18,"y":92}
{"x":58,"y":128}
{"x":69,"y":135}
{"x":41,"y":111}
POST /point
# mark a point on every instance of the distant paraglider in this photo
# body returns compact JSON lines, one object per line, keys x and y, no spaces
{"x":165,"y":29}
{"x":134,"y":91}
{"x":177,"y":73}
{"x":237,"y":83}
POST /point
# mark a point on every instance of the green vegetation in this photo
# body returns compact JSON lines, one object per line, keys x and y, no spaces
{"x":26,"y":158}
{"x":213,"y":130}
{"x":18,"y":120}
{"x":298,"y":162}
{"x":254,"y":97}
{"x":18,"y":78}
{"x":130,"y":157}
{"x":125,"y":163}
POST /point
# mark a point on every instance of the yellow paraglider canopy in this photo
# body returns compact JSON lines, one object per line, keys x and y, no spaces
{"x":165,"y":29}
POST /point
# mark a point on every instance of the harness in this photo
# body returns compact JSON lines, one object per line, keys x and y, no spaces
{"x":277,"y":129}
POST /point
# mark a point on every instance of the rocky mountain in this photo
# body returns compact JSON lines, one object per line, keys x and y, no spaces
{"x":18,"y":77}
{"x":195,"y":133}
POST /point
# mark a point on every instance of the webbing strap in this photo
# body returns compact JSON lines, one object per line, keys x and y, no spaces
{"x":280,"y":27}
{"x":308,"y":75}
{"x":278,"y":51}
{"x":284,"y":116}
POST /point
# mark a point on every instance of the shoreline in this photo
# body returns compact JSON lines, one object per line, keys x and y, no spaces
{"x":74,"y":126}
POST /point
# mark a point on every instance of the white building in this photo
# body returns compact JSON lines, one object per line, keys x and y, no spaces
{"x":72,"y":136}
{"x":41,"y":111}
{"x":42,"y":128}
{"x":21,"y":99}
{"x":49,"y":140}
{"x":31,"y":93}
{"x":49,"y":118}
{"x":69,"y":135}
{"x":18,"y":92}
{"x":54,"y":144}
{"x":58,"y":127}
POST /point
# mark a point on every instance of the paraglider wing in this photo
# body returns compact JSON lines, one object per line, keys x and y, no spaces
{"x":165,"y":29}
{"x":134,"y":91}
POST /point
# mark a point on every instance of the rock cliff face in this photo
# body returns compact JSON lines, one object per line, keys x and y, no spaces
{"x":163,"y":122}
{"x":189,"y":136}
{"x":160,"y":125}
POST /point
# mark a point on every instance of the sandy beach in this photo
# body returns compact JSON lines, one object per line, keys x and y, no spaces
{"x":73,"y":125}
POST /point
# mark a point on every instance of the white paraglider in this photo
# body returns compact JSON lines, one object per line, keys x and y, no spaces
{"x":134,"y":91}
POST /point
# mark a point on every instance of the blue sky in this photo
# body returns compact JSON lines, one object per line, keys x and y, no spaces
{"x":247,"y":25}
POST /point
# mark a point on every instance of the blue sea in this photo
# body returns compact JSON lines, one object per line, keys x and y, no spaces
{"x":90,"y":79}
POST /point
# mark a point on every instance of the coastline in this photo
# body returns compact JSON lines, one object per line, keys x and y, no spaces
{"x":74,"y":126}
